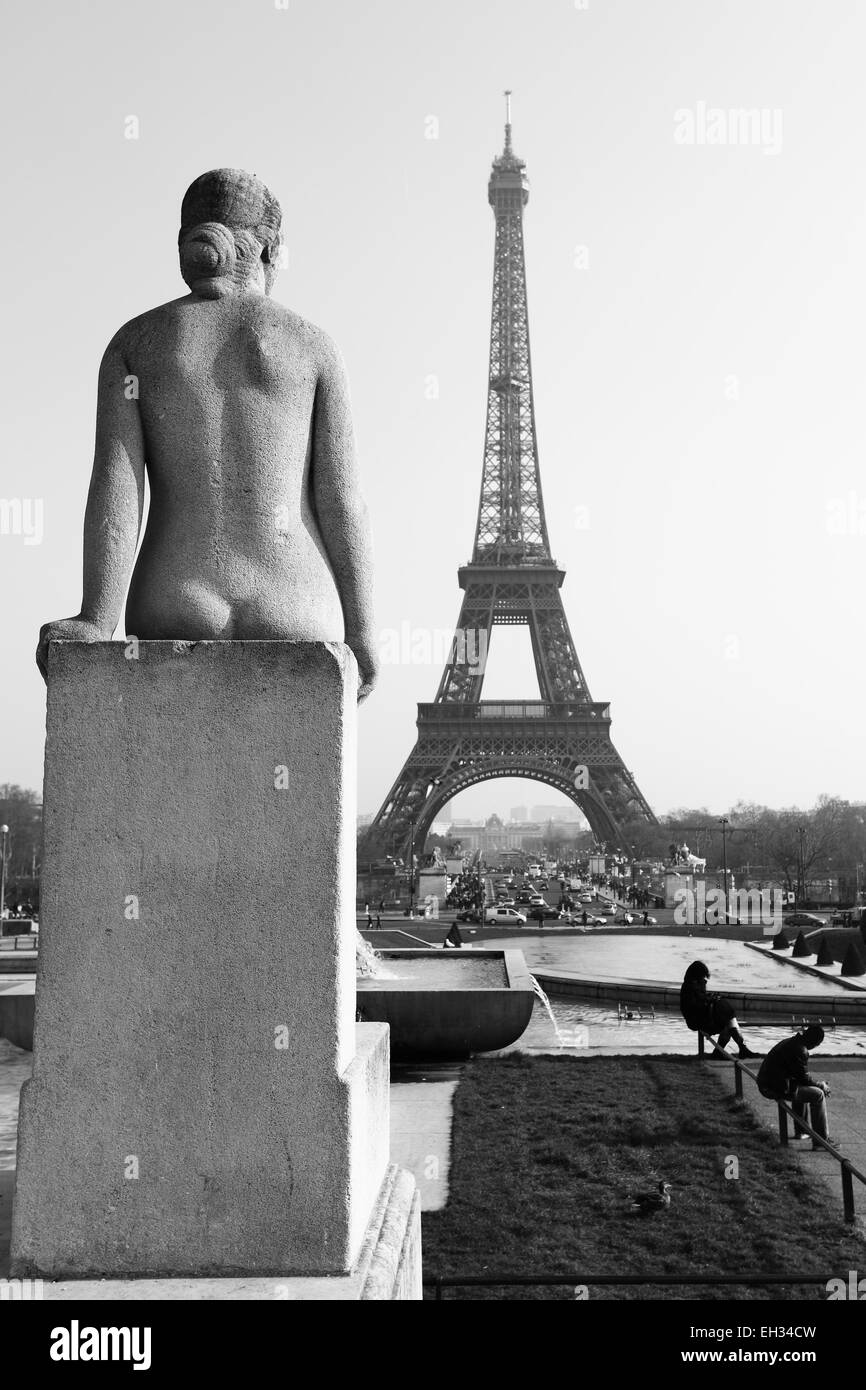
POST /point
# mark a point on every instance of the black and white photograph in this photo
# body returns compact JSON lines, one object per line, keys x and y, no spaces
{"x":432,"y":770}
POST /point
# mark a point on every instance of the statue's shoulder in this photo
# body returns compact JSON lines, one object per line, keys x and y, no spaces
{"x":144,"y":326}
{"x":311,"y":340}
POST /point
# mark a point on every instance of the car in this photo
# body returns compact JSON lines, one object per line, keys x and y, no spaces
{"x":624,"y":919}
{"x":607,"y":908}
{"x":468,"y":917}
{"x":507,"y":916}
{"x":536,"y":900}
{"x":542,"y":885}
{"x":804,"y":919}
{"x":586,"y":898}
{"x":541,"y":912}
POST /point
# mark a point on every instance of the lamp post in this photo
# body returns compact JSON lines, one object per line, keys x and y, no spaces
{"x":4,"y":831}
{"x":725,"y":823}
{"x":412,"y":868}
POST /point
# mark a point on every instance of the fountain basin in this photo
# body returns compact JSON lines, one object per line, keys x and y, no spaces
{"x":448,"y":1003}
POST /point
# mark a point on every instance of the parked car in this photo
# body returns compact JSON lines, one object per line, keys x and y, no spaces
{"x":804,"y":919}
{"x":586,"y":898}
{"x":624,"y":919}
{"x":607,"y":908}
{"x":469,"y":916}
{"x":507,"y":916}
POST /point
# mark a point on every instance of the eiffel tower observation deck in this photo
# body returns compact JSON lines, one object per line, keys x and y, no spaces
{"x":563,"y":739}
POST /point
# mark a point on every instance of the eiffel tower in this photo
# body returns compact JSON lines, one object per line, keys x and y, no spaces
{"x":563,"y":739}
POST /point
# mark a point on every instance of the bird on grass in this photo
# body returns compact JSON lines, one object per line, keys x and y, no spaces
{"x":648,"y":1203}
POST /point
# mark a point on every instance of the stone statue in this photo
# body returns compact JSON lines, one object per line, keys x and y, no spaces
{"x":238,"y":411}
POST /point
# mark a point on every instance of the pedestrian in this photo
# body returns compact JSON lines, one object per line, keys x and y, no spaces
{"x":709,"y":1013}
{"x":784,"y":1075}
{"x":382,"y":905}
{"x":369,"y":920}
{"x":646,"y":919}
{"x":583,"y":917}
{"x":378,"y":921}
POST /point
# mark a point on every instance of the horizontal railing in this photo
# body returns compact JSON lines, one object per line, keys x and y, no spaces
{"x":847,"y":1170}
{"x":577,"y":1279}
{"x":513,"y":709}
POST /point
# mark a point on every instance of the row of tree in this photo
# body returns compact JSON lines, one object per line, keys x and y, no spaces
{"x":792,"y":845}
{"x":21,"y":810}
{"x":789,"y":844}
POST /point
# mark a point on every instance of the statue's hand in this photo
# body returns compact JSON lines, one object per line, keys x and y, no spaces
{"x":367,"y":657}
{"x":75,"y":629}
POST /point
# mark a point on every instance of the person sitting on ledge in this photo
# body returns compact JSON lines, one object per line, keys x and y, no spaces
{"x":709,"y":1013}
{"x":784,"y":1075}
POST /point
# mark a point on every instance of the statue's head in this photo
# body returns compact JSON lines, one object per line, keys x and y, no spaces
{"x":229,"y":231}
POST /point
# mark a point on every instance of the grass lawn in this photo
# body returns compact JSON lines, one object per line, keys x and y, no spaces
{"x":546,"y":1150}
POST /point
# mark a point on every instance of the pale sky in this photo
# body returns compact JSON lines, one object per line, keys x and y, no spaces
{"x":695,"y":318}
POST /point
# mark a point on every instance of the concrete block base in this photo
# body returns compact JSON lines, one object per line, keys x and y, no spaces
{"x":202,"y":1102}
{"x":388,"y":1268}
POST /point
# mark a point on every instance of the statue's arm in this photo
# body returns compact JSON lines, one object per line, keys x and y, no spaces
{"x":115,"y":504}
{"x":342,"y":513}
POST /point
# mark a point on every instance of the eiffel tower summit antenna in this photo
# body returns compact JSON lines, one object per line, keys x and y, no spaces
{"x":563,"y":739}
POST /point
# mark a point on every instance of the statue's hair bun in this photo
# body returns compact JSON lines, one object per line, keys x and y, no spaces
{"x":207,"y":251}
{"x":226,"y":216}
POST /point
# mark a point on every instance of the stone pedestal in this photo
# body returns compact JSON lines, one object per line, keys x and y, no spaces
{"x":202,"y":1101}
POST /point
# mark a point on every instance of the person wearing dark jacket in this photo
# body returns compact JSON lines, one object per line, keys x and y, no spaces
{"x":709,"y":1012}
{"x":784,"y":1075}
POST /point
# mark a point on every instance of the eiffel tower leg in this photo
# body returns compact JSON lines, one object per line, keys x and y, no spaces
{"x":559,"y":673}
{"x":463,"y":677}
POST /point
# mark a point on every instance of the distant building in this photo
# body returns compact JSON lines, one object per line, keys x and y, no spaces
{"x":519,"y":813}
{"x":494,"y":835}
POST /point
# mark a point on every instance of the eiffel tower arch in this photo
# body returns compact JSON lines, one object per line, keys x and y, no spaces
{"x":562,"y":739}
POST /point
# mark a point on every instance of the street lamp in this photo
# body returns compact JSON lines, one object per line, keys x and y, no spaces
{"x":412,"y":868}
{"x":4,"y":831}
{"x":725,"y":823}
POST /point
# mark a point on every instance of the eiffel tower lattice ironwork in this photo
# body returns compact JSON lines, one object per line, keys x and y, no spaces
{"x":564,"y":738}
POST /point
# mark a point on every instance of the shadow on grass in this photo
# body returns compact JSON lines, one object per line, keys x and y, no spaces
{"x":547,"y":1150}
